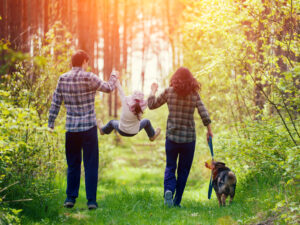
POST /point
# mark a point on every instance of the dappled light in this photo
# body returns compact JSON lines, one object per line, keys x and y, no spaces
{"x":149,"y":112}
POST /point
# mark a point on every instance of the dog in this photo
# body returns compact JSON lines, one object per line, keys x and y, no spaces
{"x":224,"y":181}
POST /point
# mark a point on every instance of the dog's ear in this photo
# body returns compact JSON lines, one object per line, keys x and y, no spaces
{"x":209,"y":166}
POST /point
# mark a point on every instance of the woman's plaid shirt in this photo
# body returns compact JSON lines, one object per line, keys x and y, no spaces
{"x":180,"y":124}
{"x":77,"y":89}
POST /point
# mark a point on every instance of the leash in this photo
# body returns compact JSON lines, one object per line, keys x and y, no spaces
{"x":212,"y":156}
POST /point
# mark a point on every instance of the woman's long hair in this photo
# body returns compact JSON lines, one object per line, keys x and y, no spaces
{"x":137,"y":110}
{"x":184,"y":82}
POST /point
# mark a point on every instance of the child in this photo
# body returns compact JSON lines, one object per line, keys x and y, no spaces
{"x":130,"y":122}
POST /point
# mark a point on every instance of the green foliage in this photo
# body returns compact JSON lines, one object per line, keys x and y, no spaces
{"x":263,"y":153}
{"x":26,"y":157}
{"x":29,"y":156}
{"x":9,"y":216}
{"x":9,"y":58}
{"x":246,"y":57}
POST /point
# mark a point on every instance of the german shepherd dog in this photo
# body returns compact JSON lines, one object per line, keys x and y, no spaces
{"x":224,"y":181}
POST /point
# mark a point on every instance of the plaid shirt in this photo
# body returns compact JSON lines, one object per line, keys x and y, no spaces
{"x":77,"y":89}
{"x":180,"y":124}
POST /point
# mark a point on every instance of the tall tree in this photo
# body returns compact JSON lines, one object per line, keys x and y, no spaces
{"x":116,"y":48}
{"x":107,"y":68}
{"x":125,"y":45}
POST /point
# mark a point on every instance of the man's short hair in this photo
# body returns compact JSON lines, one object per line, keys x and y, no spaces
{"x":78,"y":57}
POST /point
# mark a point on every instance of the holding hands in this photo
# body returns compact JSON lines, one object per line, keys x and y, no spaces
{"x":115,"y":72}
{"x":154,"y":88}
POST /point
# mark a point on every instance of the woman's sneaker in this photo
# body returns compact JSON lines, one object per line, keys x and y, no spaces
{"x":92,"y":205}
{"x":99,"y":125}
{"x":69,"y":202}
{"x":168,"y":198}
{"x":157,"y":133}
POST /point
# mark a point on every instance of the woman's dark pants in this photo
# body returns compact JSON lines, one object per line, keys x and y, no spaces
{"x":185,"y":153}
{"x":75,"y":142}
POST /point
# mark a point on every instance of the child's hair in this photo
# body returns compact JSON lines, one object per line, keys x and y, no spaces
{"x":137,"y":110}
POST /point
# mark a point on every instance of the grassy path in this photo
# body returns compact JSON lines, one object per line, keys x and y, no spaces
{"x":130,"y":192}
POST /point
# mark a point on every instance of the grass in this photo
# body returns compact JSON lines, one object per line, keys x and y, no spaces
{"x":130,"y":191}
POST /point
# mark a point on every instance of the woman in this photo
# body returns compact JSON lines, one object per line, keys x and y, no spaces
{"x":182,"y":98}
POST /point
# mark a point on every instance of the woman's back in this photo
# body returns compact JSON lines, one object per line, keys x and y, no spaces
{"x":180,"y":124}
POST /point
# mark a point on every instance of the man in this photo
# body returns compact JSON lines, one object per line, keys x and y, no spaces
{"x":77,"y":89}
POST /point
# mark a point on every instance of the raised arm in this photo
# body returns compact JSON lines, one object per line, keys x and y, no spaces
{"x":154,"y":102}
{"x":120,"y":90}
{"x":55,"y":106}
{"x":97,"y":84}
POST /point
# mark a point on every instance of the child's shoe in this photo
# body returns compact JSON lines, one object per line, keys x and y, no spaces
{"x":157,"y":132}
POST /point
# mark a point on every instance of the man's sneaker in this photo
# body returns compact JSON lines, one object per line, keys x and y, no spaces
{"x":69,"y":202}
{"x":157,"y":132}
{"x":168,"y":198}
{"x":92,"y":205}
{"x":178,"y":206}
{"x":100,"y":125}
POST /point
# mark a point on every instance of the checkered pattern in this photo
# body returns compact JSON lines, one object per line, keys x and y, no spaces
{"x":77,"y":89}
{"x":180,"y":124}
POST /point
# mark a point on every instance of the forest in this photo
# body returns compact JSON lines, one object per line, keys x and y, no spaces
{"x":244,"y":53}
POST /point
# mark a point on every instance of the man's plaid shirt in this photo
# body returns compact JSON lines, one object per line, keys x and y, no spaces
{"x":180,"y":124}
{"x":77,"y":89}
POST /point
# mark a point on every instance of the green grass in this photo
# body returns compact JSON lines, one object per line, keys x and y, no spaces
{"x":130,"y":191}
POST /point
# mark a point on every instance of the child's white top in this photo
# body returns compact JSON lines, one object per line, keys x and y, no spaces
{"x":129,"y":122}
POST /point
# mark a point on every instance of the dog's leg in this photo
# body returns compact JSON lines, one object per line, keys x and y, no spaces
{"x":223,"y":199}
{"x":230,"y":200}
{"x":219,"y":199}
{"x":232,"y":193}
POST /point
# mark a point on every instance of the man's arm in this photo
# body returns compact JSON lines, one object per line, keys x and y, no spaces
{"x":55,"y":106}
{"x":97,"y":84}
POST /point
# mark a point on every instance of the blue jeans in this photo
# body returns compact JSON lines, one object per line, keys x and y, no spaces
{"x":114,"y":125}
{"x":75,"y":142}
{"x":185,"y":152}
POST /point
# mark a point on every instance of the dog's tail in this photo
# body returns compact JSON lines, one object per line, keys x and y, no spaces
{"x":231,"y":178}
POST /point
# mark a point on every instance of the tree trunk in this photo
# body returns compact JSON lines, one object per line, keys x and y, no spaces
{"x":116,"y":50}
{"x":46,"y":16}
{"x":107,"y":49}
{"x":25,"y":43}
{"x":82,"y":25}
{"x":124,"y":52}
{"x":3,"y":19}
{"x":170,"y":33}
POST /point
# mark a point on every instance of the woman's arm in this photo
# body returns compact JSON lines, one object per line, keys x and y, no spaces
{"x":154,"y":102}
{"x":204,"y":116}
{"x":209,"y":132}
